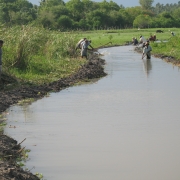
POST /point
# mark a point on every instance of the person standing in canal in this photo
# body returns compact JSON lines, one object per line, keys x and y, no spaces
{"x":147,"y":51}
{"x":1,"y":45}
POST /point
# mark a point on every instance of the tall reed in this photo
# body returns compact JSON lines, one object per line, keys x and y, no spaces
{"x":39,"y":55}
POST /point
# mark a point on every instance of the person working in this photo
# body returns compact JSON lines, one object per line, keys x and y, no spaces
{"x":154,"y":37}
{"x":172,"y":33}
{"x":147,"y":51}
{"x":78,"y":45}
{"x":84,"y":48}
{"x":134,"y":41}
{"x":142,"y":40}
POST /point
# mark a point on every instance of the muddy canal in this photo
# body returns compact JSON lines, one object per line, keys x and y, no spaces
{"x":123,"y":126}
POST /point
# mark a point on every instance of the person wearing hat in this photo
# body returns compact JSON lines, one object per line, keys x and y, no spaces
{"x":147,"y":51}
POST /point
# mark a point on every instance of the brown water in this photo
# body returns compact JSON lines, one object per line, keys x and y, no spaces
{"x":126,"y":126}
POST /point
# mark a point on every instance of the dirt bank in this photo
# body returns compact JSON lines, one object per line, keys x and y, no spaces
{"x":9,"y":148}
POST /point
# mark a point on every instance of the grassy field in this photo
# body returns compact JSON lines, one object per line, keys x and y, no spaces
{"x":119,"y":37}
{"x":37,"y":56}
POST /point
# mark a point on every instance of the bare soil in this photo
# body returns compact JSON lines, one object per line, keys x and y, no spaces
{"x":9,"y":148}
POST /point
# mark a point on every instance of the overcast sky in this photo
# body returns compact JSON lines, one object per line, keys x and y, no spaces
{"x":125,"y":3}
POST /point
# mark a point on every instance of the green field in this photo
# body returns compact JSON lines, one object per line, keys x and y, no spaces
{"x":121,"y":36}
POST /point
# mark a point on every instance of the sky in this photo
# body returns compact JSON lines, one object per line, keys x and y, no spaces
{"x":126,"y":3}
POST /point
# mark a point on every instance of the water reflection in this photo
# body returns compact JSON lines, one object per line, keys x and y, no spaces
{"x":27,"y":113}
{"x":147,"y":65}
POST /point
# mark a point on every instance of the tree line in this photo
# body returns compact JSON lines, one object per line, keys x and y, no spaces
{"x":88,"y":15}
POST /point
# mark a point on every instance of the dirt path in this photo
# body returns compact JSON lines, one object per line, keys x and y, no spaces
{"x":9,"y":148}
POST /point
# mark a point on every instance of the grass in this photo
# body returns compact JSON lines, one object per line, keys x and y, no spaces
{"x":119,"y":37}
{"x":37,"y":56}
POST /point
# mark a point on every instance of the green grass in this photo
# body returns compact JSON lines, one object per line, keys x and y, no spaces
{"x":37,"y":56}
{"x":121,"y":36}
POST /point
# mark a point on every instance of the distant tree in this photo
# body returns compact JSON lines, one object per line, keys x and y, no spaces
{"x":104,"y":6}
{"x":58,"y":11}
{"x":76,"y":9}
{"x":114,"y":6}
{"x":116,"y":19}
{"x":142,"y":21}
{"x":46,"y":19}
{"x":97,"y":19}
{"x":166,"y":19}
{"x":176,"y":13}
{"x":133,"y":12}
{"x":49,"y":3}
{"x":17,"y":12}
{"x":87,"y":5}
{"x":7,"y":1}
{"x":83,"y":24}
{"x":146,"y":4}
{"x":127,"y":20}
{"x":158,"y":8}
{"x":64,"y":22}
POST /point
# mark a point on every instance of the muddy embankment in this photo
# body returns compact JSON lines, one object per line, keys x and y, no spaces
{"x":10,"y":149}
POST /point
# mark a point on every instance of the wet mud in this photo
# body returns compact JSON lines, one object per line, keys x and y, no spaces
{"x":10,"y":150}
